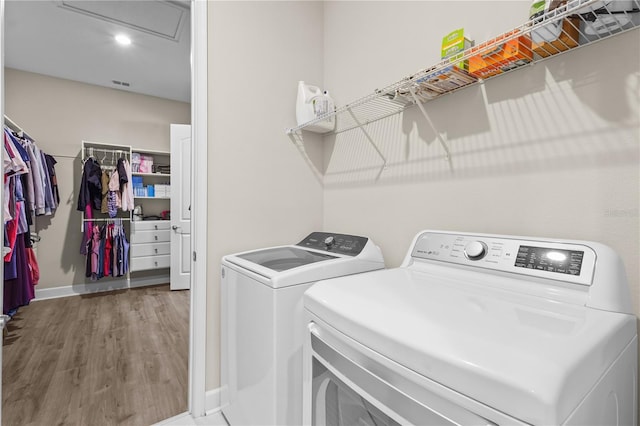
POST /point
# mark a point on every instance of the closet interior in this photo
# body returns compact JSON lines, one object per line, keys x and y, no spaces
{"x":118,"y":184}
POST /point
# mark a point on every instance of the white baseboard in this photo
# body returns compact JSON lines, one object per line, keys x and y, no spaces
{"x":106,"y":284}
{"x":212,"y":401}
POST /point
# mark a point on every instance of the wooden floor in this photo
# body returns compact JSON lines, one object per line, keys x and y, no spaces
{"x":105,"y":359}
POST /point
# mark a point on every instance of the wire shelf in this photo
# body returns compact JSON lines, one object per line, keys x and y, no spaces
{"x":575,"y":24}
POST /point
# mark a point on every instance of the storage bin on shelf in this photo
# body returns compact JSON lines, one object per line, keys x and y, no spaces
{"x":496,"y":56}
{"x":141,"y":163}
{"x":567,"y":39}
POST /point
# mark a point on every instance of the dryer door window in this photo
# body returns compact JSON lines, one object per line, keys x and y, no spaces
{"x":336,"y":404}
{"x":349,"y":388}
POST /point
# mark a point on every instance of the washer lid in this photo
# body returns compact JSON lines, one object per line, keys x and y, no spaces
{"x":529,"y":357}
{"x":284,"y":258}
{"x":285,"y":266}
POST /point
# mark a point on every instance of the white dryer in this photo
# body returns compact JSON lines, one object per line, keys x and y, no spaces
{"x":263,"y":325}
{"x":475,"y":329}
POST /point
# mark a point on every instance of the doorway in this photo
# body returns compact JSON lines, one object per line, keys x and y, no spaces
{"x":196,"y":358}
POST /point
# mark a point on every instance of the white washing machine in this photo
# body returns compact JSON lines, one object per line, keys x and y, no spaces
{"x":475,"y":329}
{"x":263,"y":325}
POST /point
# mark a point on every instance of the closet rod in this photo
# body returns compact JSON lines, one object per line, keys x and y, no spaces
{"x":73,"y":157}
{"x":89,"y":150}
{"x":106,"y":219}
{"x":14,"y":126}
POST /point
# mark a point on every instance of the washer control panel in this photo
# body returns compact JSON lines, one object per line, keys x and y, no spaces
{"x":570,"y":262}
{"x":350,"y":245}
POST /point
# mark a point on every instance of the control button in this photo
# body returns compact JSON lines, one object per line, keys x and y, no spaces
{"x":329,"y":241}
{"x":475,"y":250}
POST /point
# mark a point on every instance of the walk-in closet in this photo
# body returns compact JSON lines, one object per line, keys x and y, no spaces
{"x":97,"y":330}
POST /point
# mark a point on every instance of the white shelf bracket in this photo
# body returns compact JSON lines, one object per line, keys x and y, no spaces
{"x":370,"y":140}
{"x":426,"y":116}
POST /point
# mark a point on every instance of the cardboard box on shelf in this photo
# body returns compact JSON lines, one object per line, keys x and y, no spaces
{"x":568,"y":39}
{"x":495,"y":57}
{"x":453,"y":44}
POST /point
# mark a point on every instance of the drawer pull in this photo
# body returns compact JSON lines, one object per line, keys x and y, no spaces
{"x":156,"y":226}
{"x":156,"y":237}
{"x":156,"y":251}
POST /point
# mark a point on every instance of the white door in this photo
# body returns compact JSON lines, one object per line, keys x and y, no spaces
{"x":180,"y":206}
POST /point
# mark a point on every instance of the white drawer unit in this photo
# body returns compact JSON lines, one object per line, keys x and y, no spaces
{"x":141,"y":237}
{"x":150,"y":225}
{"x":150,"y":262}
{"x":150,"y":245}
{"x":150,"y":249}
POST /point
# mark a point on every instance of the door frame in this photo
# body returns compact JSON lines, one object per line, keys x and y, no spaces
{"x":198,"y":309}
{"x":1,"y":186}
{"x":199,"y":215}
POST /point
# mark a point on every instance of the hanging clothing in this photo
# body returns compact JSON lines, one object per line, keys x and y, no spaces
{"x":19,"y":291}
{"x":104,"y":180}
{"x":38,"y":183}
{"x":51,"y":169}
{"x":14,"y":160}
{"x":107,"y":251}
{"x":90,"y":185}
{"x":127,"y":188}
{"x":29,"y":182}
{"x":49,"y":203}
{"x":33,"y":266}
{"x":114,"y":201}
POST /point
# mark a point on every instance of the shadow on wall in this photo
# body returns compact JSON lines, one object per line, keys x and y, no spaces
{"x":72,"y":260}
{"x":70,"y":250}
{"x":573,"y":111}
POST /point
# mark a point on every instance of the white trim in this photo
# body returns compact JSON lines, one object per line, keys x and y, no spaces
{"x":180,"y":419}
{"x":1,"y":162}
{"x":199,"y":197}
{"x":106,"y":284}
{"x":212,"y":404}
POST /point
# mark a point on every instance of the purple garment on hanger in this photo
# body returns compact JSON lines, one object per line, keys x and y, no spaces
{"x":20,"y":291}
{"x":11,"y":269}
{"x":112,"y":204}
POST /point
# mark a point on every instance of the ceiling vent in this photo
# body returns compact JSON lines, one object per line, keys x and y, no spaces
{"x":160,"y":18}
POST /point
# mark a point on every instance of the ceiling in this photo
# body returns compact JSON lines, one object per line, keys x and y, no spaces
{"x":74,"y":40}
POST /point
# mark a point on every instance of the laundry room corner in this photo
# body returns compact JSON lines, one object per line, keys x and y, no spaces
{"x":548,"y":151}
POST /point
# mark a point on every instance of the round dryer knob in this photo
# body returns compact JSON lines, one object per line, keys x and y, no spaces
{"x":329,"y":241}
{"x":475,"y":250}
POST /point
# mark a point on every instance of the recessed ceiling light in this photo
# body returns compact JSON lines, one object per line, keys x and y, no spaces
{"x":123,"y":39}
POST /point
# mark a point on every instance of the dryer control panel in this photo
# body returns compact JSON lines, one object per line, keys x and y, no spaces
{"x":569,"y":262}
{"x":350,"y":245}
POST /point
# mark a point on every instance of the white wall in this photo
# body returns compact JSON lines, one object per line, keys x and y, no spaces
{"x":262,"y":193}
{"x":549,"y":150}
{"x":59,"y":114}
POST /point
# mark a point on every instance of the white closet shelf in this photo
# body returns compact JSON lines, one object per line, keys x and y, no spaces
{"x":167,"y":175}
{"x":152,"y":198}
{"x":576,"y":17}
